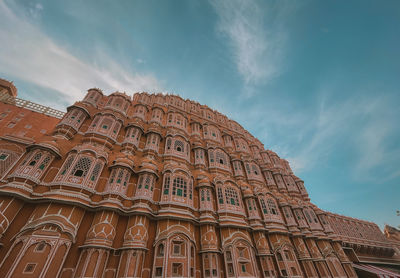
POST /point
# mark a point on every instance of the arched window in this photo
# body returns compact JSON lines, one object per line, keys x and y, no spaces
{"x":177,"y":188}
{"x":218,"y":159}
{"x":229,"y":198}
{"x":272,"y":206}
{"x":35,"y":159}
{"x":263,"y":206}
{"x":205,"y":199}
{"x":287,"y":262}
{"x":106,"y":125}
{"x":133,"y":135}
{"x":180,"y":260}
{"x":67,"y":164}
{"x":270,"y":209}
{"x":199,"y":156}
{"x":145,"y":185}
{"x":153,"y":141}
{"x":74,"y":118}
{"x":157,"y":115}
{"x":253,"y":171}
{"x":82,"y":167}
{"x":178,"y":146}
{"x":117,"y":102}
{"x":240,"y":260}
{"x":140,"y":111}
{"x":34,"y":164}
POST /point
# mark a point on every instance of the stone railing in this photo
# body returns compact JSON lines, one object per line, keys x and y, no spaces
{"x":6,"y":98}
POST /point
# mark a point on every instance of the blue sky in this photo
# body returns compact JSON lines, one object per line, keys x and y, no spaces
{"x":316,"y":81}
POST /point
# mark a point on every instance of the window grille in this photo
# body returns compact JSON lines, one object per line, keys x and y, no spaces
{"x":168,"y":143}
{"x":67,"y":164}
{"x":127,"y":175}
{"x":147,"y":183}
{"x":116,"y":128}
{"x":120,"y":175}
{"x":221,"y":158}
{"x":179,"y":187}
{"x":95,"y":121}
{"x":95,"y":172}
{"x":82,"y":167}
{"x":178,"y":146}
{"x":255,"y":169}
{"x":220,"y":196}
{"x":35,"y":159}
{"x":231,"y":196}
{"x":112,"y":176}
{"x":166,"y":185}
{"x":263,"y":206}
{"x":45,"y":162}
{"x":140,"y":182}
{"x":308,"y":216}
{"x":248,"y":168}
{"x":272,"y":206}
{"x":211,"y":153}
{"x":190,"y":189}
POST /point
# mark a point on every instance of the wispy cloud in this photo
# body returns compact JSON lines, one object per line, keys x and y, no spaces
{"x":363,"y":124}
{"x":31,"y":55}
{"x":257,"y":50}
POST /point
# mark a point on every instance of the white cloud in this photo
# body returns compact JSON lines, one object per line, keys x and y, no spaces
{"x":257,"y":51}
{"x":29,"y":54}
{"x":364,"y":125}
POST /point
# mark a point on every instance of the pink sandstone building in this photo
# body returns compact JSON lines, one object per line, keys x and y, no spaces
{"x":157,"y":186}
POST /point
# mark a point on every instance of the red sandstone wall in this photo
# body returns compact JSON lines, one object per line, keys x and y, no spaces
{"x":154,"y":209}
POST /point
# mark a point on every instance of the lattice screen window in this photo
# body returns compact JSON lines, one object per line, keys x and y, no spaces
{"x":255,"y":169}
{"x":67,"y":164}
{"x":272,"y":206}
{"x":308,"y":216}
{"x":126,"y":179}
{"x":45,"y":162}
{"x":179,"y":187}
{"x":248,"y":168}
{"x":220,"y":196}
{"x":168,"y":145}
{"x":179,"y":146}
{"x":263,"y":206}
{"x":166,"y":184}
{"x":106,"y":124}
{"x":95,"y":122}
{"x":82,"y":167}
{"x":221,"y":158}
{"x":35,"y":159}
{"x":120,"y":176}
{"x":211,"y":156}
{"x":231,"y":196}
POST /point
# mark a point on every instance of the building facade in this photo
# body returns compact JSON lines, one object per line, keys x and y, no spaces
{"x":157,"y":186}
